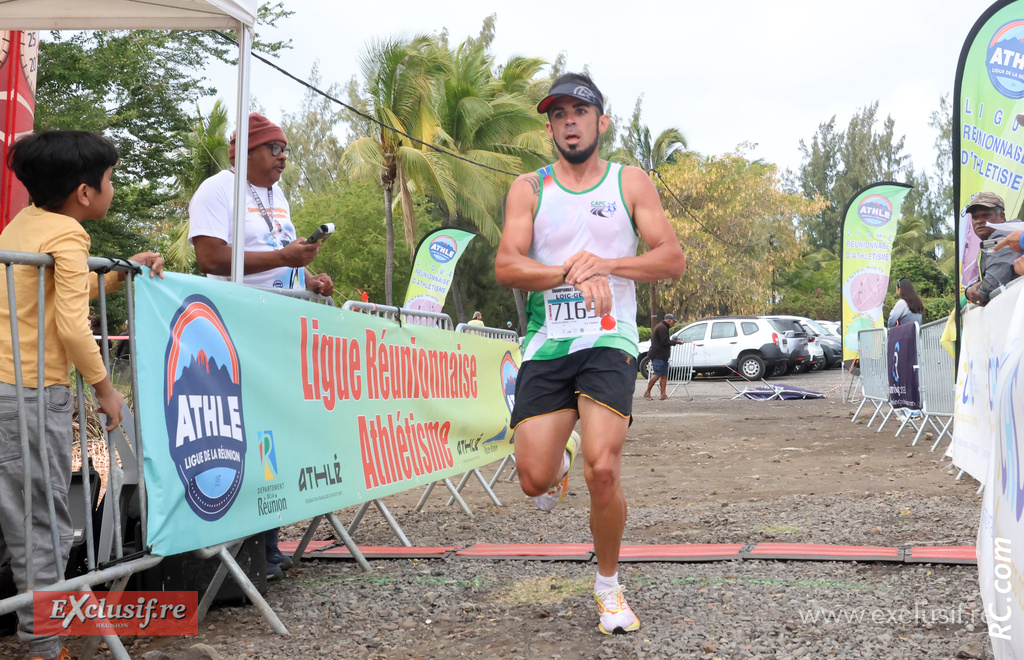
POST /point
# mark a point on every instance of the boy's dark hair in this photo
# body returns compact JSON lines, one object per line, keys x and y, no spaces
{"x":52,"y":164}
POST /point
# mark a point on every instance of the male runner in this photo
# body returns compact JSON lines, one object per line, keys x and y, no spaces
{"x":570,"y":238}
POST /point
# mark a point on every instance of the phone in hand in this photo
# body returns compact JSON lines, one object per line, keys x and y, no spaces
{"x":321,"y":233}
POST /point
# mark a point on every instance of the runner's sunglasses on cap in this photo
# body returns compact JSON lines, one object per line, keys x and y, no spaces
{"x":576,"y":90}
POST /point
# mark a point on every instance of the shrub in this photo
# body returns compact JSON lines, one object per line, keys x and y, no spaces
{"x":645,"y":332}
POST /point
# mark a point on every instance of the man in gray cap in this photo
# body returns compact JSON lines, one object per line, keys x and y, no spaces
{"x":659,"y":353}
{"x":570,"y":239}
{"x":987,"y":208}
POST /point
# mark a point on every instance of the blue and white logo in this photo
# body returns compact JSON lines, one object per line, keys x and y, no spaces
{"x":896,"y":363}
{"x":875,"y":210}
{"x":203,"y":408}
{"x":443,"y":249}
{"x":1005,"y":60}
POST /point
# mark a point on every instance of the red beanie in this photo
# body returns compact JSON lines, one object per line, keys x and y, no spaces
{"x":261,"y":131}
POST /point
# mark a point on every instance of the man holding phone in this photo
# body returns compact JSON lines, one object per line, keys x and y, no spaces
{"x":274,"y":255}
{"x":987,"y":208}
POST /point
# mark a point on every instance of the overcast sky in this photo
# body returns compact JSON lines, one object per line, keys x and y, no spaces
{"x":722,"y":72}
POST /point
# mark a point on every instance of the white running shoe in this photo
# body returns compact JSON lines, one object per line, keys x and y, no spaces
{"x":550,"y":499}
{"x":616,"y":616}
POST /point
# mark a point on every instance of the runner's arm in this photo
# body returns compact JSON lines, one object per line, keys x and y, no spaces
{"x":664,"y":258}
{"x":512,"y":267}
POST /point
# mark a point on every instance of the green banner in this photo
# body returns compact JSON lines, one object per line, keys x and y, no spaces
{"x":988,"y":143}
{"x":869,"y":227}
{"x":434,"y":268}
{"x":260,"y":410}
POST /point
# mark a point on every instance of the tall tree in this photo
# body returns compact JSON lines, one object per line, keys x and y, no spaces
{"x":639,"y":150}
{"x":401,"y":77}
{"x":315,"y":148}
{"x":837,"y":164}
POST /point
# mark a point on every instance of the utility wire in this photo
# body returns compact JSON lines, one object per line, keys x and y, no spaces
{"x":363,"y":114}
{"x":692,"y":216}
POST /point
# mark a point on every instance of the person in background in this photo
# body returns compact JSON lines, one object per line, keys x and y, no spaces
{"x":908,"y":307}
{"x":661,"y":346}
{"x":275,"y":256}
{"x":478,"y":319}
{"x":997,"y":268}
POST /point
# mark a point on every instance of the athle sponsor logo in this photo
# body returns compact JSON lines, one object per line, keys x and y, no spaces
{"x":203,"y":408}
{"x":443,"y":249}
{"x":509,"y":372}
{"x":603,"y":209}
{"x":1010,"y":425}
{"x":1005,"y":60}
{"x":875,"y":210}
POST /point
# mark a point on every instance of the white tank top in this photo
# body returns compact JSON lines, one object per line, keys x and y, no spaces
{"x":595,"y":220}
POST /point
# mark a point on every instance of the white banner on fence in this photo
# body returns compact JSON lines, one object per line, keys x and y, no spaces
{"x":993,"y":333}
{"x":972,"y":437}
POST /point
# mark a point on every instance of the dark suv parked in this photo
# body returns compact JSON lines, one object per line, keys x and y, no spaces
{"x":795,"y":343}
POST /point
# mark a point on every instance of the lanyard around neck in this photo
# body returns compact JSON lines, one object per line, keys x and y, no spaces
{"x":259,"y":203}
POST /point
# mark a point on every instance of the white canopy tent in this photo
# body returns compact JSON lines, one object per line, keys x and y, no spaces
{"x":237,"y":15}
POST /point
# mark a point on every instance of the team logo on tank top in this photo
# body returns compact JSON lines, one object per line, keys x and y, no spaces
{"x":603,"y":209}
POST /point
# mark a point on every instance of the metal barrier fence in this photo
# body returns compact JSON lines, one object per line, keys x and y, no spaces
{"x":873,"y":364}
{"x":108,"y":564}
{"x":938,"y":382}
{"x":680,"y":367}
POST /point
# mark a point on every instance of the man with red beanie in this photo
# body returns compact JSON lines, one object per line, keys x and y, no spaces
{"x":274,"y":255}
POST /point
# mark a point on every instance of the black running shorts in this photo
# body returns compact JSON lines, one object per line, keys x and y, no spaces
{"x":606,"y":375}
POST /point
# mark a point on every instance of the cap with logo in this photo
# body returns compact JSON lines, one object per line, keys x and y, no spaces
{"x":575,"y":89}
{"x":987,"y":200}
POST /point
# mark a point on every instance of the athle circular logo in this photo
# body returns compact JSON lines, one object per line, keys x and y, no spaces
{"x":443,"y":249}
{"x":875,"y":210}
{"x":203,"y":408}
{"x":1005,"y":60}
{"x":509,"y":372}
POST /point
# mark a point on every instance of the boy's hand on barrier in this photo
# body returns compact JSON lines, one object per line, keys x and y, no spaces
{"x":151,"y":260}
{"x":110,"y":402}
{"x":1011,"y":241}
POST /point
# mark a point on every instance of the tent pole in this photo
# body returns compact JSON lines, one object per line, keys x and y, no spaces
{"x":241,"y":149}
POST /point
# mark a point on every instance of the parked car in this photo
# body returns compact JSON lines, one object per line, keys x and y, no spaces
{"x":830,"y":343}
{"x":748,"y":345}
{"x":796,"y":345}
{"x":832,"y":327}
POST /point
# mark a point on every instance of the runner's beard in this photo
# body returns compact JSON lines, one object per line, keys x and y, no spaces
{"x":577,"y":156}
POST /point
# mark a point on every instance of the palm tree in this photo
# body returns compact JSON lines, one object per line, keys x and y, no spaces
{"x":639,"y":151}
{"x":206,"y":153}
{"x":401,"y":77}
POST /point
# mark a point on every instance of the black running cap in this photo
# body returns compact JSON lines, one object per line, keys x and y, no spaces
{"x":574,"y":89}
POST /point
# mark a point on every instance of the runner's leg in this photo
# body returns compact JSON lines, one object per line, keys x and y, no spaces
{"x":539,"y":446}
{"x":604,"y":433}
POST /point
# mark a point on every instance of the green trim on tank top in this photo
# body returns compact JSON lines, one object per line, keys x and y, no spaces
{"x":622,"y":196}
{"x":582,"y":192}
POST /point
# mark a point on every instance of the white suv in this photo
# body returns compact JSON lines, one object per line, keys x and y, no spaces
{"x":746,"y":345}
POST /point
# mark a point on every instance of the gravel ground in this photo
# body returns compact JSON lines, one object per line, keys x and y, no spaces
{"x":453,"y":607}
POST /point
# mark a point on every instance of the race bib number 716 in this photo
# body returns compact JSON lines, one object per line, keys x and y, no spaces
{"x":567,"y":314}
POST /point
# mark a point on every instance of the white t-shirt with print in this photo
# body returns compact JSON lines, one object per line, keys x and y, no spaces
{"x":210,"y":214}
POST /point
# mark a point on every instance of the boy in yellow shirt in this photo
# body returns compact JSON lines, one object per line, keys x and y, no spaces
{"x":67,"y":174}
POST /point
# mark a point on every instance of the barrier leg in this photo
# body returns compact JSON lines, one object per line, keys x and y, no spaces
{"x":924,"y":424}
{"x":306,"y":538}
{"x":465,"y":478}
{"x":943,"y":432}
{"x":392,"y":523}
{"x":342,"y":533}
{"x":251,"y":593}
{"x":451,"y":489}
{"x":859,"y":408}
{"x":92,"y":643}
{"x":426,"y":494}
{"x":354,"y":525}
{"x":959,"y":475}
{"x":501,"y":467}
{"x":462,"y":484}
{"x":214,"y":587}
